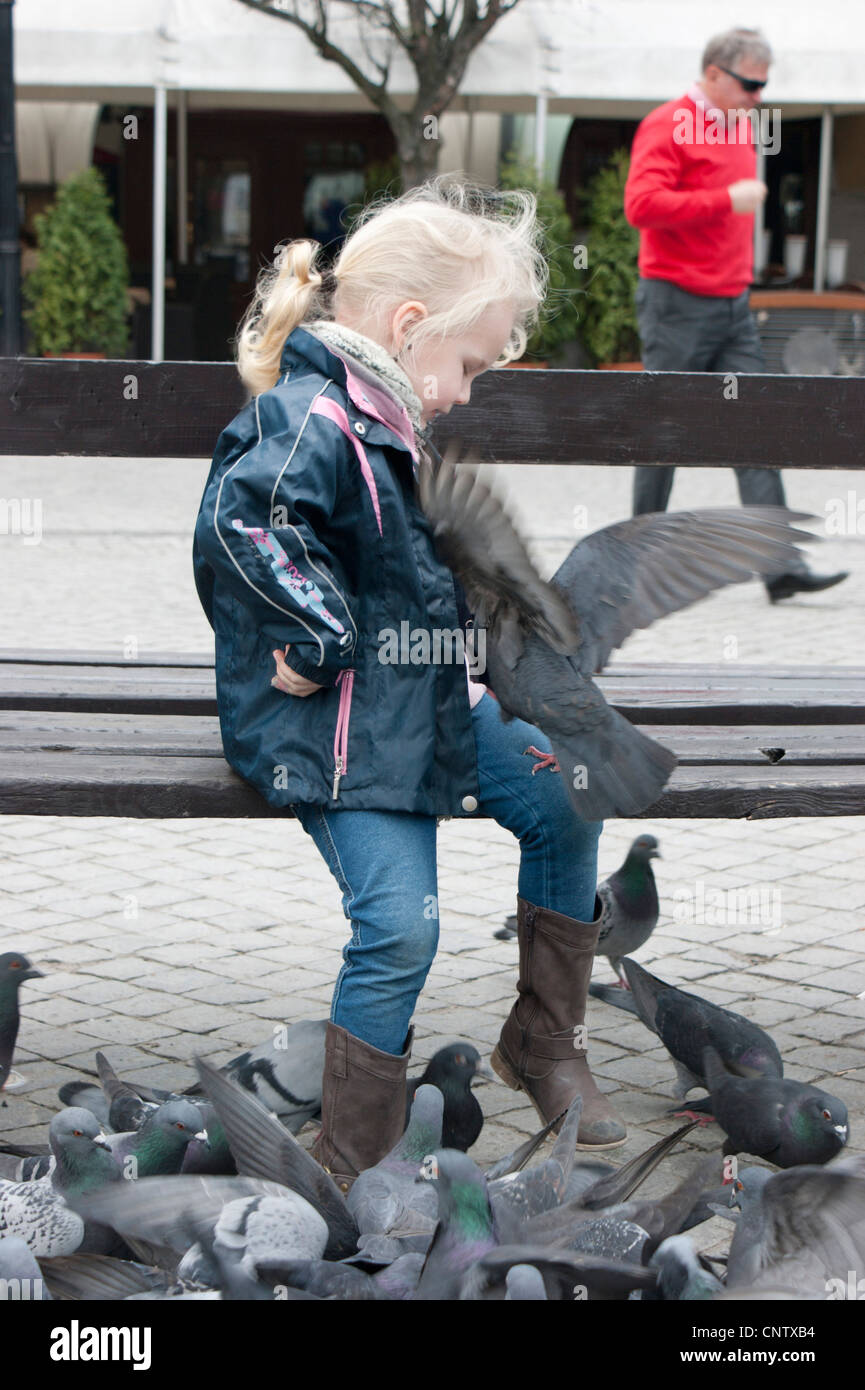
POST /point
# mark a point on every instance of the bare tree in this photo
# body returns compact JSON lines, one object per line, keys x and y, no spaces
{"x":438,"y":40}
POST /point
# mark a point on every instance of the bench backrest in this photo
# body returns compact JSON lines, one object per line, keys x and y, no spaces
{"x":699,"y":419}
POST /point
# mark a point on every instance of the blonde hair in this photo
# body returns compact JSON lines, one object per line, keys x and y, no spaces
{"x":455,"y":246}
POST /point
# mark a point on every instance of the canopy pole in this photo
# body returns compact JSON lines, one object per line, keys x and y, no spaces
{"x":160,"y":165}
{"x":759,"y":217}
{"x":540,"y":133}
{"x":10,"y":249}
{"x":182,"y":178}
{"x":824,"y":184}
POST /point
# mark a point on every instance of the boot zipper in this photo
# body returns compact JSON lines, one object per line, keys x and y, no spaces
{"x":345,"y":681}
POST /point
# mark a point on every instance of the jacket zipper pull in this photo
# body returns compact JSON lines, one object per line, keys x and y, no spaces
{"x":337,"y":777}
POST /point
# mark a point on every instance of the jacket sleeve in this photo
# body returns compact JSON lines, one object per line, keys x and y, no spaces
{"x":652,"y":195}
{"x":259,"y":530}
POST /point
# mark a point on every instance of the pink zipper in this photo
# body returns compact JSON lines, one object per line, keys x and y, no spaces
{"x":345,"y":681}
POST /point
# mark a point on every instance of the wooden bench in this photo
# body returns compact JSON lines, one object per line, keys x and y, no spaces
{"x":93,"y":734}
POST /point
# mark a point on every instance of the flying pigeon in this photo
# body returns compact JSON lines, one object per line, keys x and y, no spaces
{"x":799,"y":1230}
{"x":545,"y":641}
{"x":14,"y":970}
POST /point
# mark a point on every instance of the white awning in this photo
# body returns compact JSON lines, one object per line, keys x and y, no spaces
{"x":595,"y":55}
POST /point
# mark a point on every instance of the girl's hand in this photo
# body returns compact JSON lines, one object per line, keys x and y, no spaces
{"x":288,"y":681}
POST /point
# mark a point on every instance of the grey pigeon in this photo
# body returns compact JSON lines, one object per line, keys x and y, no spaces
{"x":687,"y":1025}
{"x":518,"y":1197}
{"x":382,"y":1196}
{"x":786,"y":1122}
{"x":545,"y":641}
{"x":40,"y":1213}
{"x":284,"y":1073}
{"x":100,"y":1277}
{"x":466,"y":1227}
{"x":629,"y":907}
{"x":453,"y":1069}
{"x":14,"y":970}
{"x":467,"y":1261}
{"x":799,"y":1230}
{"x":159,"y":1146}
{"x":264,"y":1148}
{"x":629,"y":904}
{"x":682,"y":1275}
{"x":123,"y":1107}
{"x":20,"y":1276}
{"x":567,"y":1225}
{"x":325,"y":1279}
{"x":524,"y":1284}
{"x":251,"y":1218}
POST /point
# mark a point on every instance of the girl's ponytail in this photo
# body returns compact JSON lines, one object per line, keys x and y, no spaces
{"x":286,"y":293}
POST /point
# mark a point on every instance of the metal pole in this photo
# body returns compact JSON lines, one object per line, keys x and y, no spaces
{"x":540,"y":133}
{"x":824,"y":185}
{"x":759,"y":217}
{"x":182,"y":178}
{"x":10,"y":246}
{"x":160,"y":165}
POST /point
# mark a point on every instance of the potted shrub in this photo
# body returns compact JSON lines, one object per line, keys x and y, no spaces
{"x":77,"y":293}
{"x":559,"y":319}
{"x":610,"y":329}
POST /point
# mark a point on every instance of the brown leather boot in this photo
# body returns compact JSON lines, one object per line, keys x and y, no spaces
{"x":362,"y":1104}
{"x":537,"y":1051}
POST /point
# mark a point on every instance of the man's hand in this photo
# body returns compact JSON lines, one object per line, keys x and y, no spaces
{"x":747,"y":194}
{"x":288,"y":681}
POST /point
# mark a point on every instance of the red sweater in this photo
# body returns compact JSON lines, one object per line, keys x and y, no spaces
{"x":677,"y":195}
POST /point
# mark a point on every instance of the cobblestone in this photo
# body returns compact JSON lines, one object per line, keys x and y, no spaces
{"x":162,"y":940}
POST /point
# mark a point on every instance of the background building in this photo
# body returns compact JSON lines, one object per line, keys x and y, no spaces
{"x":267,"y":141}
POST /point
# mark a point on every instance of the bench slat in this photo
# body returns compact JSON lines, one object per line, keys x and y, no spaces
{"x":37,"y":731}
{"x":83,"y":784}
{"x":663,"y":698}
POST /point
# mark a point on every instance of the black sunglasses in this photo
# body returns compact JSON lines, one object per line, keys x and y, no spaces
{"x":749,"y":83}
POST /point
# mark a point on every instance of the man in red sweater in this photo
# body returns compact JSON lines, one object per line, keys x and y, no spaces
{"x":692,"y":192}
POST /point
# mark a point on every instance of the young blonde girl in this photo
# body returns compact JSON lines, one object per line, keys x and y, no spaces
{"x":310,"y":548}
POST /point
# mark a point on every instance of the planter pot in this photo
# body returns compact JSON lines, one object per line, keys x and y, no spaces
{"x":794,"y":255}
{"x":836,"y":262}
{"x":620,"y":367}
{"x":529,"y":366}
{"x":82,"y":356}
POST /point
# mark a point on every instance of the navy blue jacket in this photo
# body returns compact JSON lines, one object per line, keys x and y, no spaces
{"x":309,"y":533}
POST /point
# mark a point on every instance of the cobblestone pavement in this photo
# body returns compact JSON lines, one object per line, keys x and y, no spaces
{"x":160,"y":939}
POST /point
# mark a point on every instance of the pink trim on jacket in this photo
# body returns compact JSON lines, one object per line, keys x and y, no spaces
{"x":323,"y":405}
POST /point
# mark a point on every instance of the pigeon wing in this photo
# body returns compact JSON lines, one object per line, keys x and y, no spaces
{"x":479,"y":542}
{"x":634,"y":572}
{"x":264,"y":1148}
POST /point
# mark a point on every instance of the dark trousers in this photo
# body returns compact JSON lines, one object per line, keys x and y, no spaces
{"x":683,"y":332}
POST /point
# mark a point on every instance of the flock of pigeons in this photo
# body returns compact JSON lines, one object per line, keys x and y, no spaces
{"x":206,"y":1194}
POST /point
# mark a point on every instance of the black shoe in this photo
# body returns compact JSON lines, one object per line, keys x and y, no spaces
{"x":786,"y":585}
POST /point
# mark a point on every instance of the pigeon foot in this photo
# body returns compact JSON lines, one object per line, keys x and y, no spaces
{"x":546,"y":759}
{"x":700,"y":1119}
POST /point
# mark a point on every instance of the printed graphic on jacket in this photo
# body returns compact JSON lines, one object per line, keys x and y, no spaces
{"x":305,"y":591}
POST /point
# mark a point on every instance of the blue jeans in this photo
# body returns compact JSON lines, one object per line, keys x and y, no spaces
{"x":385,"y":865}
